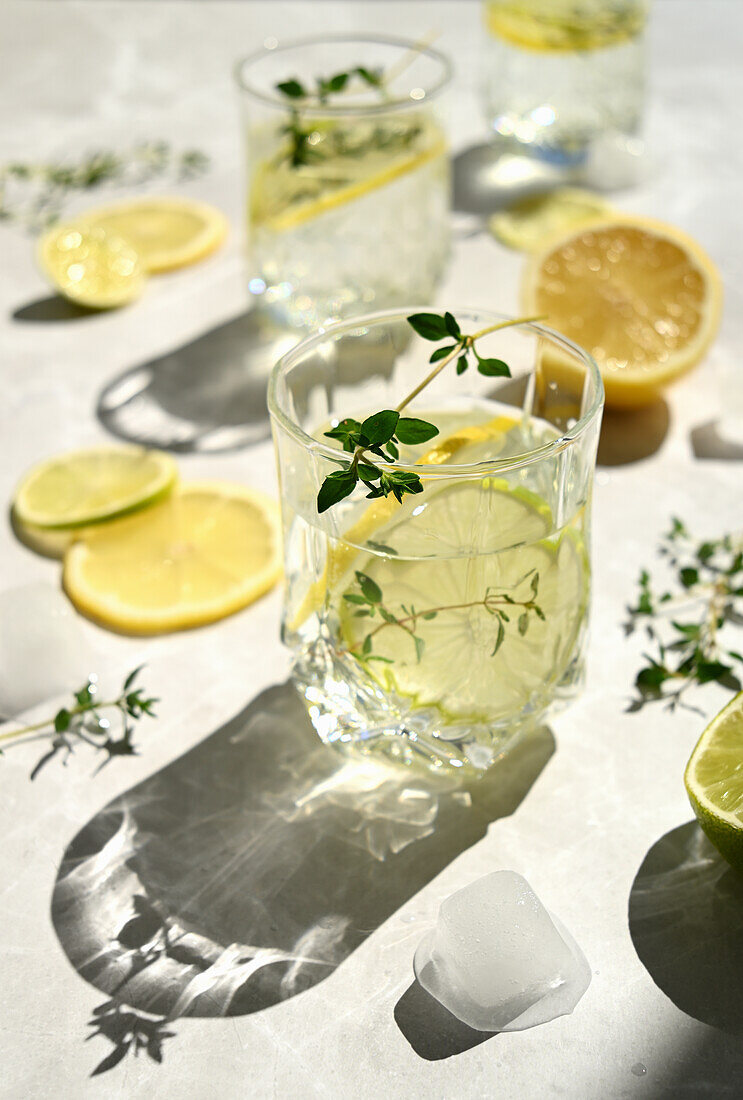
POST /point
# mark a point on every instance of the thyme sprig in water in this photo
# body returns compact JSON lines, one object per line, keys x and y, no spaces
{"x":683,"y":623}
{"x":82,"y":722}
{"x":380,"y":434}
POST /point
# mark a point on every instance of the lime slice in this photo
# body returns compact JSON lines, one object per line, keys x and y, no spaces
{"x":88,"y":486}
{"x":91,"y":266}
{"x":208,"y":550}
{"x":166,"y":232}
{"x":714,"y":782}
{"x":458,"y":665}
{"x":527,"y":224}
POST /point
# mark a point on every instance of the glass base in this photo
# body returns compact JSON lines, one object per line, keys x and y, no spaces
{"x":350,"y":713}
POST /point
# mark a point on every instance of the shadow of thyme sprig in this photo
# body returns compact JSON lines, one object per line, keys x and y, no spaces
{"x":382,"y":432}
{"x":369,"y":601}
{"x":83,"y":722}
{"x":708,"y":592}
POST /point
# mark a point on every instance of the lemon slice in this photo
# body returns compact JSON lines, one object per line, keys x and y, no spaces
{"x":166,"y":232}
{"x":641,"y":296}
{"x":527,"y":224}
{"x":468,"y":444}
{"x":459,"y":668}
{"x":714,"y":782}
{"x":556,"y":26}
{"x":278,"y":193}
{"x":91,"y":266}
{"x":209,"y":549}
{"x":88,"y":486}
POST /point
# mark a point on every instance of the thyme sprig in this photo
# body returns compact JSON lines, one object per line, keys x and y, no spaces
{"x":34,"y":194}
{"x":382,"y":432}
{"x":83,"y":722}
{"x":683,"y":623}
{"x":369,"y":600}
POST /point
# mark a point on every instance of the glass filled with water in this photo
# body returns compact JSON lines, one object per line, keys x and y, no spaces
{"x":348,"y":175}
{"x":443,"y":625}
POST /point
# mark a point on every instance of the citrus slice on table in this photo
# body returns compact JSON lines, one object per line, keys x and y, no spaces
{"x":209,"y":549}
{"x":472,"y":443}
{"x":527,"y":224}
{"x":714,"y":782}
{"x":641,"y":297}
{"x":91,"y":266}
{"x":458,"y":665}
{"x":166,"y":232}
{"x":88,"y":486}
{"x":50,"y":542}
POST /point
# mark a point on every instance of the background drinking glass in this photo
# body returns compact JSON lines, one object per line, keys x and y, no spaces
{"x":349,"y":191}
{"x":445,"y":625}
{"x":559,"y":74}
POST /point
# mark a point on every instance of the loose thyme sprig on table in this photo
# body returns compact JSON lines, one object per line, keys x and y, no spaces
{"x":83,"y":722}
{"x":708,"y":592}
{"x":34,"y":194}
{"x":382,"y":432}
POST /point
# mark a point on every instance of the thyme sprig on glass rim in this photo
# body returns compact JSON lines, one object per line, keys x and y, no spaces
{"x":684,"y":621}
{"x":380,"y":434}
{"x":82,"y":722}
{"x":369,"y":603}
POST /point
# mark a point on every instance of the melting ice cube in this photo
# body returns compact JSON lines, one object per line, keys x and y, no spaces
{"x":43,"y":651}
{"x":498,"y":961}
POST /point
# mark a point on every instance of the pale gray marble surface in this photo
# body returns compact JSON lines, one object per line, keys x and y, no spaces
{"x":577,"y":812}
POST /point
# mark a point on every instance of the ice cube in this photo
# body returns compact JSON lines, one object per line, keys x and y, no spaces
{"x":43,"y":650}
{"x":498,"y":961}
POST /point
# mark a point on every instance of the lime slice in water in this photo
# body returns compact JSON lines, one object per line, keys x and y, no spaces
{"x":458,"y":665}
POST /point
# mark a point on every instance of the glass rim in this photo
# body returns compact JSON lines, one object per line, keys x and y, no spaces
{"x":339,"y":110}
{"x":448,"y":469}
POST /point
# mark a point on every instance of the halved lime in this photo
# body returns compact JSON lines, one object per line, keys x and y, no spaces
{"x":487,"y":538}
{"x":91,"y":485}
{"x":714,"y":782}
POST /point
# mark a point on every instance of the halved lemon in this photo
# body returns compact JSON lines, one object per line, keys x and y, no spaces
{"x":714,"y":782}
{"x":467,"y":444}
{"x":208,"y":550}
{"x":87,"y":486}
{"x":91,"y":266}
{"x":643,"y":298}
{"x":166,"y":232}
{"x":526,"y":225}
{"x":458,"y":665}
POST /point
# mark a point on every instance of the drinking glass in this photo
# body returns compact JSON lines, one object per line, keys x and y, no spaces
{"x":441,"y":627}
{"x":348,"y":189}
{"x":562,"y":74}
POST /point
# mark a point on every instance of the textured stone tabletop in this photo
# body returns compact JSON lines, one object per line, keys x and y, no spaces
{"x":204,"y":873}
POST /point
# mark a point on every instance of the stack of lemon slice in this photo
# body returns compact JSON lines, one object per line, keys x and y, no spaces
{"x":142,"y":553}
{"x":102,"y":259}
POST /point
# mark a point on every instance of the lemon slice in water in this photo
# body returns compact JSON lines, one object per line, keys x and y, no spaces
{"x":458,"y":665}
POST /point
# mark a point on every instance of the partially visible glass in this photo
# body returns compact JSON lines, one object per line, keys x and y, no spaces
{"x":443,"y":627}
{"x":560,"y":75}
{"x":349,"y":193}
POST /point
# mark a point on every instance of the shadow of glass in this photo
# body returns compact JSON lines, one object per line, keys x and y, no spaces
{"x":686,"y":923}
{"x":208,"y":395}
{"x":248,"y":869}
{"x":53,"y":309}
{"x":629,"y":435}
{"x":431,"y":1030}
{"x":487,"y":177}
{"x":708,"y":442}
